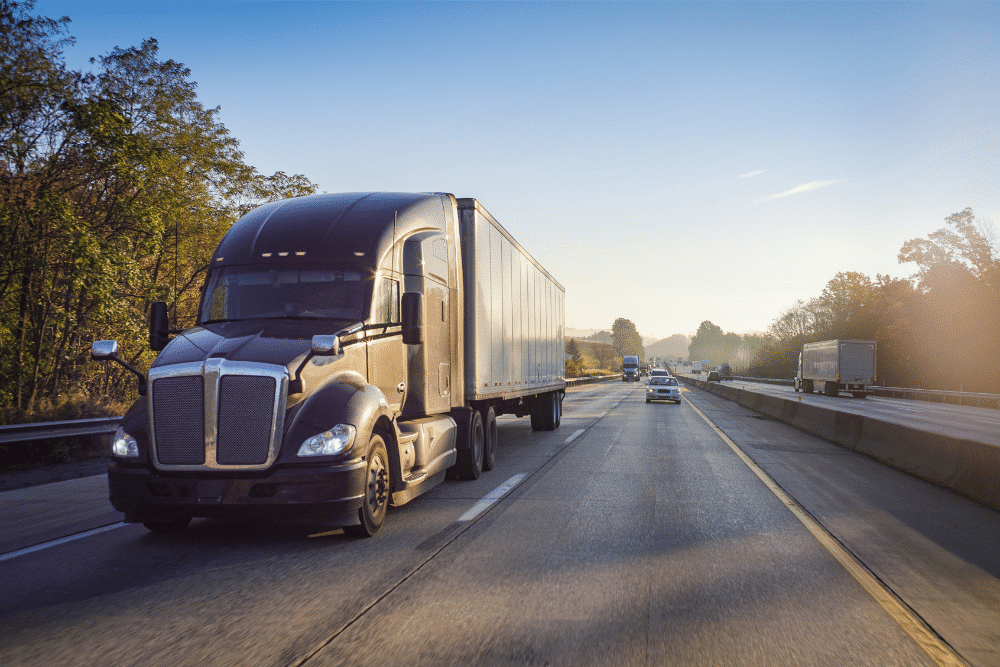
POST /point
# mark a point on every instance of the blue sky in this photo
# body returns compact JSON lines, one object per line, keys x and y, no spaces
{"x":667,"y":162}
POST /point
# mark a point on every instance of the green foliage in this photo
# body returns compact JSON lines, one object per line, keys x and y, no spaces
{"x":937,"y":330}
{"x":115,"y":188}
{"x":626,"y":339}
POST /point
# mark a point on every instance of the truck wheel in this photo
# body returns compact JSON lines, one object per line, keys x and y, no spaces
{"x":547,"y":412}
{"x":167,"y":527}
{"x":859,"y":394}
{"x":376,"y":502}
{"x":470,"y":459}
{"x":489,"y":417}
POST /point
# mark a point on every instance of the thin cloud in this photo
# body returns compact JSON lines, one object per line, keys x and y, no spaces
{"x":805,"y":187}
{"x":754,"y":173}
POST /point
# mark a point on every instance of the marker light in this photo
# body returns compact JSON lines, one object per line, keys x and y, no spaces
{"x":334,"y":441}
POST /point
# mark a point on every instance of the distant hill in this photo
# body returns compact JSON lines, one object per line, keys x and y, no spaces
{"x":672,"y":347}
{"x":669,"y":348}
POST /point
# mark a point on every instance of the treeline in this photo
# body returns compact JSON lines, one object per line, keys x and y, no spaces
{"x":939,"y":329}
{"x":115,"y":187}
{"x":602,"y":352}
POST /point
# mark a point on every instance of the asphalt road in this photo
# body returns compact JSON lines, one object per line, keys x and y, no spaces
{"x":633,"y":535}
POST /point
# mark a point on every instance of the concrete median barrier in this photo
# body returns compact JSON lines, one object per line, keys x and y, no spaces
{"x":967,"y":467}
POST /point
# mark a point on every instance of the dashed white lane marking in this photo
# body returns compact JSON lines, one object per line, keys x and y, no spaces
{"x":573,"y":437}
{"x":491,"y":498}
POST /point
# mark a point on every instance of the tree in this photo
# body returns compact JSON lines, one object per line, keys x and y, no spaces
{"x":115,"y":187}
{"x":626,"y":339}
{"x":573,"y":350}
{"x":946,"y":254}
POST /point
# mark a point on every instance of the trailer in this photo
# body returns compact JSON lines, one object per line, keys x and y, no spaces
{"x":350,"y":351}
{"x":833,"y":366}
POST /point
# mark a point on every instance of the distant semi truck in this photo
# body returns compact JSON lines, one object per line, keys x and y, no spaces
{"x":696,"y":367}
{"x":630,"y":368}
{"x":833,"y":366}
{"x":725,"y":371}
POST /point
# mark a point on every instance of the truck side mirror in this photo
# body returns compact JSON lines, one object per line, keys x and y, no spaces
{"x":325,"y":345}
{"x":158,"y":326}
{"x":413,"y":318}
{"x":101,"y":350}
{"x":107,"y":350}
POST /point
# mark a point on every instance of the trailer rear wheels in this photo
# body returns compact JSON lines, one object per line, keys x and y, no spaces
{"x":489,"y":417}
{"x":547,"y":412}
{"x":470,"y":458}
{"x":376,"y":503}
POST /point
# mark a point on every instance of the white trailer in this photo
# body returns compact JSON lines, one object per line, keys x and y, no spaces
{"x":833,"y":366}
{"x":514,"y":322}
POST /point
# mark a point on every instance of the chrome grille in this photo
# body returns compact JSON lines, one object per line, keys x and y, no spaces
{"x":217,"y":414}
{"x":179,"y":406}
{"x":246,"y":410}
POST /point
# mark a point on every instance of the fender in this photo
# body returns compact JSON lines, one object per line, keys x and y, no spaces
{"x":344,"y":399}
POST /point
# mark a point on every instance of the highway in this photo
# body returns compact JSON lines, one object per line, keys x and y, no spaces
{"x":635,"y":534}
{"x":964,"y":421}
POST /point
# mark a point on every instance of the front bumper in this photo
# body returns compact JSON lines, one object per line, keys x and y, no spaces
{"x":327,"y":494}
{"x":664,"y":396}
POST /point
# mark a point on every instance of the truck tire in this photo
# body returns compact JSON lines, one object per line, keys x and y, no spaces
{"x":167,"y":527}
{"x":489,"y":417}
{"x":547,"y":412}
{"x":831,"y":389}
{"x":470,"y":458}
{"x":376,"y":502}
{"x":859,"y":394}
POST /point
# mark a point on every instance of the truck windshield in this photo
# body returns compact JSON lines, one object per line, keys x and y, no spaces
{"x":307,"y":292}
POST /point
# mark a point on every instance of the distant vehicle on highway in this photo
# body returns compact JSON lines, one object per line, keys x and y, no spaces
{"x":663,"y":389}
{"x":833,"y":366}
{"x":725,"y":371}
{"x":713,"y":376}
{"x":696,"y":367}
{"x":630,"y":368}
{"x":659,"y":372}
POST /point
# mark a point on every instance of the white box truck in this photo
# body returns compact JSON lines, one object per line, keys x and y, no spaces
{"x":833,"y":366}
{"x":349,"y":351}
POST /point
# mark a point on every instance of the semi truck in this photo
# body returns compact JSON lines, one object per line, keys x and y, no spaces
{"x":349,"y":352}
{"x":630,"y":368}
{"x":833,"y":366}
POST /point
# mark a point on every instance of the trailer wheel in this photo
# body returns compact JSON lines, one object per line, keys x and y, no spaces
{"x":859,"y":394}
{"x":167,"y":527}
{"x":547,"y":412}
{"x":470,"y":459}
{"x":376,"y":502}
{"x":489,"y":417}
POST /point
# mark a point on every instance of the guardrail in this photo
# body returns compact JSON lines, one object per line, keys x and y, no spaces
{"x":590,"y":379}
{"x":932,"y":395}
{"x":65,"y":429}
{"x":981,"y":400}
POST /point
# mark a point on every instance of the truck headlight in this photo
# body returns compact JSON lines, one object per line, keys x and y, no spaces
{"x":336,"y":440}
{"x":124,"y":444}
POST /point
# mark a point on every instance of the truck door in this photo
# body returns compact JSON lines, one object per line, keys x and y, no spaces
{"x":386,"y":354}
{"x":425,"y":268}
